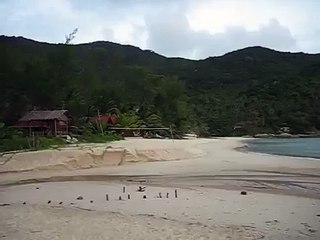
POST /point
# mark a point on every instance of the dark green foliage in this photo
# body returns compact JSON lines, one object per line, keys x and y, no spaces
{"x":248,"y":91}
{"x":12,"y":139}
{"x":49,"y":142}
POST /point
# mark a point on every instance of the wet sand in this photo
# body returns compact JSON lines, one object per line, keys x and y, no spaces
{"x":282,"y":200}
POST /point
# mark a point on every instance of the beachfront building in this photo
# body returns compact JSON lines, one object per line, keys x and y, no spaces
{"x":107,"y":119}
{"x":53,"y":123}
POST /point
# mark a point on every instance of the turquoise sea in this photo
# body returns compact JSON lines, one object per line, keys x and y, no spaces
{"x":298,"y":147}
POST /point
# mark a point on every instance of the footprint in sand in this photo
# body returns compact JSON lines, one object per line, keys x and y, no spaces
{"x":308,"y":228}
{"x":274,"y":222}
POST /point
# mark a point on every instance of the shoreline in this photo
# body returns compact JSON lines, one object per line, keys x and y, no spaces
{"x":217,"y":161}
{"x":246,"y":149}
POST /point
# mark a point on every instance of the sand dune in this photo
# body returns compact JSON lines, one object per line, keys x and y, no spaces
{"x":62,"y":159}
{"x":93,"y":156}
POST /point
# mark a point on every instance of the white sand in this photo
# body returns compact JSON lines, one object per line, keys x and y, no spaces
{"x":62,"y":159}
{"x":85,"y":156}
{"x":213,"y":214}
{"x":282,"y":201}
{"x":65,"y":223}
{"x":199,"y":155}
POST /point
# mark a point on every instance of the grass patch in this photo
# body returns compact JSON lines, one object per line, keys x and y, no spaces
{"x":14,"y":140}
{"x":46,"y":143}
{"x":26,"y":143}
{"x":15,"y":143}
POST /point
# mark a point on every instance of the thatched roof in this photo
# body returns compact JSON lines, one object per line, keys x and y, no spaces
{"x":44,"y":115}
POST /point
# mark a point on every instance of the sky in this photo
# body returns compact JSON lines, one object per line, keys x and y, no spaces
{"x":193,"y":29}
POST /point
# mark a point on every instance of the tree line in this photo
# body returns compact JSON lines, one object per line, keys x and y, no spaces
{"x":246,"y":92}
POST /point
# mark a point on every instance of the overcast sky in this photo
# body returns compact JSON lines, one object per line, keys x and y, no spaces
{"x":186,"y":28}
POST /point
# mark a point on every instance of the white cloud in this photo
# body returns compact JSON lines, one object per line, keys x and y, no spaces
{"x":188,"y":28}
{"x":173,"y":36}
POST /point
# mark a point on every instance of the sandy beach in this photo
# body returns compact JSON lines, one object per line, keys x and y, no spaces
{"x":39,"y":191}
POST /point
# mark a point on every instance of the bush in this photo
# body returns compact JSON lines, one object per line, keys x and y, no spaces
{"x":12,"y":139}
{"x":16,"y":143}
{"x":25,"y":143}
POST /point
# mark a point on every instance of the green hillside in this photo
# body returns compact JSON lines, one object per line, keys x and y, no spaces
{"x":247,"y":91}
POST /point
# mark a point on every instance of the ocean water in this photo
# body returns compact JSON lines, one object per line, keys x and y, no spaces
{"x":298,"y":147}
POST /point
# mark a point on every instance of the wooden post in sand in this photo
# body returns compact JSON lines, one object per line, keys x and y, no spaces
{"x":107,"y":197}
{"x":176,"y":193}
{"x":128,"y":196}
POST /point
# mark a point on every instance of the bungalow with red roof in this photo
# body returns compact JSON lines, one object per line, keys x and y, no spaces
{"x":107,"y":119}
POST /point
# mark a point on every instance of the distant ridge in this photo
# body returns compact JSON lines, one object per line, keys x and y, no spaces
{"x":255,"y":89}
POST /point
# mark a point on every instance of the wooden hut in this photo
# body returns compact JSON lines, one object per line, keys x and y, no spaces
{"x":54,"y":122}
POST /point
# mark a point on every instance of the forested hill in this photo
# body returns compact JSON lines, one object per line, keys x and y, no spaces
{"x":243,"y":92}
